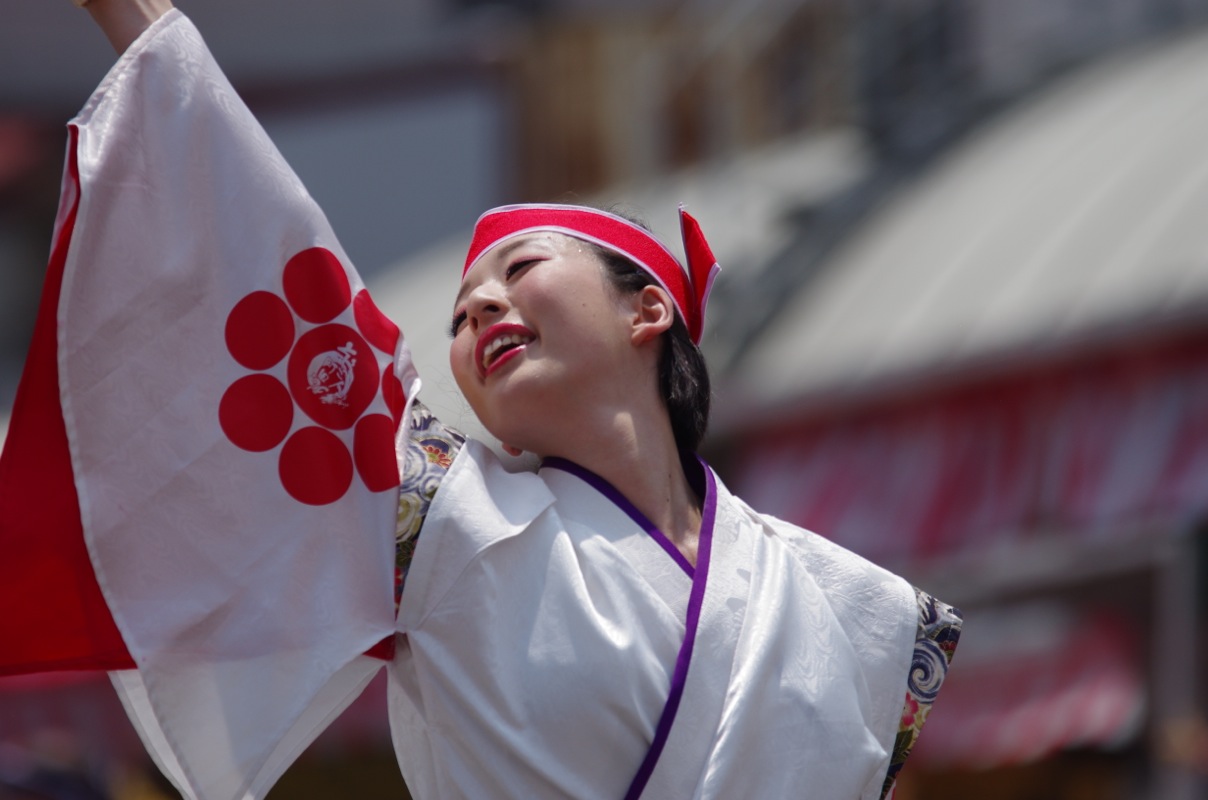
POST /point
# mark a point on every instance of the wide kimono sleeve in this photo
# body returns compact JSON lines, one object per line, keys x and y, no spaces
{"x":200,"y":488}
{"x":905,"y":678}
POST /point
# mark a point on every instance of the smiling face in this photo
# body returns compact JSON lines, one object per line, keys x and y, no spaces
{"x":540,"y":338}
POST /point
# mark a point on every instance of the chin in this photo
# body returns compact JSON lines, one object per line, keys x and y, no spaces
{"x":512,"y":435}
{"x":510,"y":409}
{"x":523,"y":430}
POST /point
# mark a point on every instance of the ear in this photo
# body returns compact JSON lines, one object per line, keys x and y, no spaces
{"x":654,"y":313}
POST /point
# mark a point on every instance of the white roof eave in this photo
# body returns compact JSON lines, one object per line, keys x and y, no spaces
{"x":1082,"y":210}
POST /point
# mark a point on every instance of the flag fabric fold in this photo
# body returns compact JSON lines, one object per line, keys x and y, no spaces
{"x":45,"y":571}
{"x":201,"y":469}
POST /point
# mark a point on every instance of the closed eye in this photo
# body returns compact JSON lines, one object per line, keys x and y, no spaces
{"x":458,"y":319}
{"x":519,"y":265}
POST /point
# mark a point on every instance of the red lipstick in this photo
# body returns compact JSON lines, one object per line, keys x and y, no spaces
{"x":500,"y":343}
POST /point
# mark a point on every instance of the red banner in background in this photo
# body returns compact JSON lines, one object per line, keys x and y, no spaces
{"x":1081,"y":449}
{"x":1037,"y":680}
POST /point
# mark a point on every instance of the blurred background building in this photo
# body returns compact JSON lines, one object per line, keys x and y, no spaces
{"x":962,"y":326}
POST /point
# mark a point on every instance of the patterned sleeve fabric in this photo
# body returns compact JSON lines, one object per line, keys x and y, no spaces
{"x":431,"y":448}
{"x":938,"y":632}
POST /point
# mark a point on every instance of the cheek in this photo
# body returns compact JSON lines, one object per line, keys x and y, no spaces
{"x":466,"y":377}
{"x":460,"y":356}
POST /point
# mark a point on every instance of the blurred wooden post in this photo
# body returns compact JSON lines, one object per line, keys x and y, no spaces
{"x":1176,"y":672}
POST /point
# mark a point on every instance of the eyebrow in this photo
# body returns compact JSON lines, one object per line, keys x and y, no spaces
{"x":501,"y":252}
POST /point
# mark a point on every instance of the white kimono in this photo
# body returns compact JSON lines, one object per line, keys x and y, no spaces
{"x":552,"y":637}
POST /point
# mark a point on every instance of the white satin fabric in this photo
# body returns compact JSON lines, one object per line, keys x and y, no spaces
{"x":541,"y":629}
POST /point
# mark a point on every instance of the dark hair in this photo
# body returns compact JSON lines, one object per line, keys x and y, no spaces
{"x":683,"y":376}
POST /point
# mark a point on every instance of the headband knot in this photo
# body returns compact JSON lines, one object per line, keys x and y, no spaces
{"x":689,"y":288}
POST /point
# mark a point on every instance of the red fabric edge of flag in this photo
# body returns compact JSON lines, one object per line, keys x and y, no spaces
{"x":55,"y":617}
{"x":383,"y":650}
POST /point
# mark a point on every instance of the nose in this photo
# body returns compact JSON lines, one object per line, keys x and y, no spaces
{"x":486,"y":304}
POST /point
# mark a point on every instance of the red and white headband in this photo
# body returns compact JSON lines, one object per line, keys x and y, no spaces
{"x":688,"y":288}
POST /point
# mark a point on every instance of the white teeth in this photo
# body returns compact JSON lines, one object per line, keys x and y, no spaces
{"x":503,"y":341}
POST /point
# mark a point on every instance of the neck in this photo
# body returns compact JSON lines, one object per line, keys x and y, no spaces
{"x":636,"y":452}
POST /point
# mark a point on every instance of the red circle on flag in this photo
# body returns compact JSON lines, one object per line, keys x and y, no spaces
{"x":256,"y":412}
{"x":315,"y":467}
{"x":392,"y":393}
{"x":373,"y":452}
{"x":377,"y":327}
{"x":259,"y":330}
{"x":316,"y":285}
{"x":333,"y":375}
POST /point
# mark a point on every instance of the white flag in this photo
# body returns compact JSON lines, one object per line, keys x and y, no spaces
{"x":230,"y":397}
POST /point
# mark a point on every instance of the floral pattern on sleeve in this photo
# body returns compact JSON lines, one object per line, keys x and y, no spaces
{"x":938,"y":632}
{"x":431,"y":448}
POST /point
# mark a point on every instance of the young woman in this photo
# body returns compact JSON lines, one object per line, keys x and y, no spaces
{"x":614,"y":625}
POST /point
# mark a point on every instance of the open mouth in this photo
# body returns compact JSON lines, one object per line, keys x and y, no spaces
{"x":502,"y":342}
{"x":496,"y":349}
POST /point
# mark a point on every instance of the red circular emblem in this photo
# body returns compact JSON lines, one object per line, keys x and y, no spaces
{"x":332,"y":374}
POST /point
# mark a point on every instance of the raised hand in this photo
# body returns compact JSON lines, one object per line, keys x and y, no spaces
{"x":123,"y":20}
